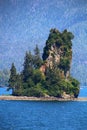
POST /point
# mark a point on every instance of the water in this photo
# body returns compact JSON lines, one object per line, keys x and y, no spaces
{"x":83,"y":91}
{"x":26,"y":115}
{"x":31,"y":115}
{"x":3,"y":91}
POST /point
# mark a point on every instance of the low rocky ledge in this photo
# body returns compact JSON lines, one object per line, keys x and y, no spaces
{"x":41,"y":98}
{"x":35,"y":98}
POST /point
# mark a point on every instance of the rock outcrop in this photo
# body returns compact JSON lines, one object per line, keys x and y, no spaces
{"x":58,"y":51}
{"x":57,"y":56}
{"x":48,"y":77}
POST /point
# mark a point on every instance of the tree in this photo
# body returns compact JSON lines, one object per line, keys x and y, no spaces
{"x":54,"y":81}
{"x":64,"y":64}
{"x":37,"y":59}
{"x":37,"y":76}
{"x":18,"y":85}
{"x":76,"y":87}
{"x":28,"y":66}
{"x":12,"y":79}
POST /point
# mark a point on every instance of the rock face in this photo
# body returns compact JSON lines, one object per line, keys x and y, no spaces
{"x":57,"y":56}
{"x":54,"y":56}
{"x":58,"y":51}
{"x":67,"y":96}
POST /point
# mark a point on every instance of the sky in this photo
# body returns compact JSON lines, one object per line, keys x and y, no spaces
{"x":25,"y":23}
{"x":31,"y":20}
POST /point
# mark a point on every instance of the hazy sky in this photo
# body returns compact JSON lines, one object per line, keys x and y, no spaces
{"x":31,"y":20}
{"x":24,"y":23}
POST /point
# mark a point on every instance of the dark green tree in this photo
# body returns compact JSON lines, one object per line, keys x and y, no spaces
{"x":76,"y":87}
{"x":52,"y":82}
{"x":64,"y":64}
{"x":18,"y":85}
{"x":37,"y":77}
{"x":12,"y":79}
{"x":37,"y":59}
{"x":28,"y":67}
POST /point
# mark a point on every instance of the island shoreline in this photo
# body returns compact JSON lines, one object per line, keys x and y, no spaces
{"x":25,"y":98}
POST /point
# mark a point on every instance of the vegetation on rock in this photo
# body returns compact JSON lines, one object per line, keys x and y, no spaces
{"x":49,"y":76}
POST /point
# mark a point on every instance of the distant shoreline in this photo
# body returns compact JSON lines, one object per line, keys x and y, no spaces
{"x":41,"y":98}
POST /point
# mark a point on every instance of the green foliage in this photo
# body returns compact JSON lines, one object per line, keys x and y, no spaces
{"x":18,"y":85}
{"x":37,"y":76}
{"x":46,"y":52}
{"x":64,"y":64}
{"x":13,"y":77}
{"x":52,"y":82}
{"x":59,"y":39}
{"x":28,"y":66}
{"x":32,"y":82}
{"x":36,"y":58}
{"x":36,"y":91}
{"x":75,"y":84}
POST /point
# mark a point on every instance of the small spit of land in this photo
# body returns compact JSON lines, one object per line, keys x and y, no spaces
{"x":41,"y":98}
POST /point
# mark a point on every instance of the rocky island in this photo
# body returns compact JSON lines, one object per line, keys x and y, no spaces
{"x":47,"y":77}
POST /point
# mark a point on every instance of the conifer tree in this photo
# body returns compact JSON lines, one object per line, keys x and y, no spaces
{"x":28,"y":67}
{"x":18,"y":85}
{"x":12,"y":79}
{"x":37,"y":59}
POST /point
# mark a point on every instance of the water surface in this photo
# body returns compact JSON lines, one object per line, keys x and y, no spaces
{"x":31,"y":115}
{"x":3,"y":91}
{"x":27,"y":115}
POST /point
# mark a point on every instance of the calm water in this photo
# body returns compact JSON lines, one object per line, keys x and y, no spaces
{"x":30,"y":115}
{"x":25,"y":115}
{"x":3,"y":91}
{"x":83,"y":91}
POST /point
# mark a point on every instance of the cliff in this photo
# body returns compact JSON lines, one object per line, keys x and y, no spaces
{"x":57,"y":55}
{"x":58,"y":51}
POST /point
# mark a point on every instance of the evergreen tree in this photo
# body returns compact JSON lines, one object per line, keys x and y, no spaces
{"x":28,"y":69}
{"x":52,"y":82}
{"x":27,"y":73}
{"x":37,"y":59}
{"x":18,"y":85}
{"x":12,"y":79}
